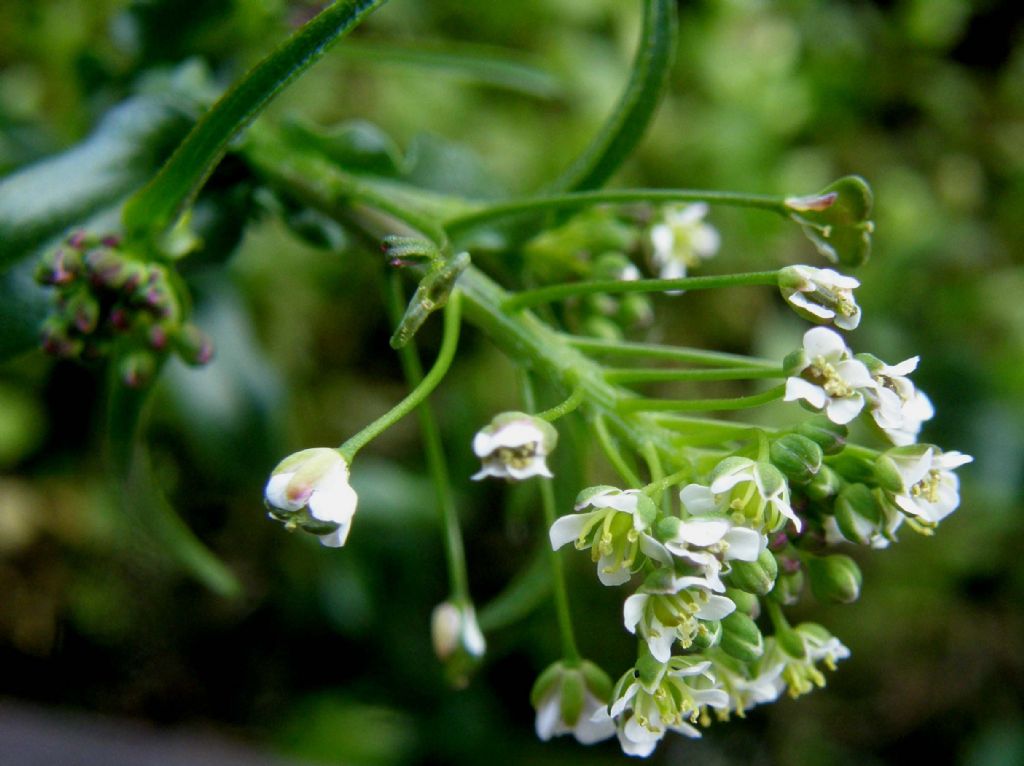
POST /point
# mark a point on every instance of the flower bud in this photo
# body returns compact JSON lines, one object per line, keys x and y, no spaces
{"x":458,"y":642}
{"x":566,"y":698}
{"x":788,"y":587}
{"x":857,"y":513}
{"x":745,"y":602}
{"x":82,"y":311}
{"x":741,"y":638}
{"x":821,"y":295}
{"x":824,"y":485}
{"x":138,"y":368}
{"x":797,"y":456}
{"x":193,"y":345}
{"x":757,"y":577}
{"x":834,"y":578}
{"x":309,"y":490}
{"x":831,"y":437}
{"x":601,"y":328}
{"x":635,"y":310}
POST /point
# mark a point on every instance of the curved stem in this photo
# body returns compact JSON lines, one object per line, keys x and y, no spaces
{"x":702,"y":405}
{"x":612,"y":286}
{"x":573,"y":402}
{"x":572,"y":201}
{"x":547,"y":497}
{"x":628,"y":376}
{"x":659,"y":486}
{"x":433,"y":447}
{"x":452,"y":320}
{"x":669,"y":353}
{"x":607,"y":442}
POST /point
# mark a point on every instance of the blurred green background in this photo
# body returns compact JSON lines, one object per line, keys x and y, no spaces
{"x":326,"y":657}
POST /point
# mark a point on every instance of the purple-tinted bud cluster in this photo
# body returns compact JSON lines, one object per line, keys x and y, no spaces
{"x":107,"y":297}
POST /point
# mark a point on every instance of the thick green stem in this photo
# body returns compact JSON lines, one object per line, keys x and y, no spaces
{"x":452,"y":319}
{"x":433,"y":447}
{"x":560,"y":292}
{"x":547,"y":497}
{"x":546,"y":203}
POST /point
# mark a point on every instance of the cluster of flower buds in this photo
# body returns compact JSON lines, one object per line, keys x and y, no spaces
{"x":106,"y":298}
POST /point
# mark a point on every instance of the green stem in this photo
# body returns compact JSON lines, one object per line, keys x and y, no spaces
{"x":779,"y":621}
{"x":449,"y":341}
{"x":650,"y":455}
{"x":659,"y":486}
{"x":627,"y":376}
{"x":607,"y":442}
{"x":702,"y":405}
{"x":552,"y":293}
{"x":157,"y":205}
{"x":668,"y":353}
{"x":433,"y":447}
{"x":545,"y":203}
{"x":573,"y":402}
{"x":547,"y":497}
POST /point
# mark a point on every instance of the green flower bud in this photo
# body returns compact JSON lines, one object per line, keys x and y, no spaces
{"x":835,"y":578}
{"x":745,"y":602}
{"x":137,"y":368}
{"x":791,"y":643}
{"x":756,"y":577}
{"x":741,"y":637}
{"x":824,"y":485}
{"x":636,"y":310}
{"x":831,"y":437}
{"x":797,"y":456}
{"x":458,"y":642}
{"x":858,"y":515}
{"x":601,"y":328}
{"x":788,"y":587}
{"x":193,"y":345}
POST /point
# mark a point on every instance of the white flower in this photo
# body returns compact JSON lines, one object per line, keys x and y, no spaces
{"x":708,"y":541}
{"x":921,"y":481}
{"x":664,"y":618}
{"x":453,"y":629}
{"x":821,"y":295}
{"x":682,"y":240}
{"x":514,"y":446}
{"x":568,"y":698}
{"x":745,"y":690}
{"x":668,"y":697}
{"x":749,"y":491}
{"x":793,"y":662}
{"x":828,"y":378}
{"x":310,"y":490}
{"x":616,"y":531}
{"x":898,"y":407}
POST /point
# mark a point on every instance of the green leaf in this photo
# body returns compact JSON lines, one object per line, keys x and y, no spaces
{"x":357,"y":146}
{"x":159,"y":203}
{"x":629,"y":120}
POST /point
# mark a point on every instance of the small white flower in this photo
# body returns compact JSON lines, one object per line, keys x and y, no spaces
{"x":927,"y":487}
{"x":616,"y":531}
{"x":709,"y":541}
{"x":310,"y":490}
{"x":821,"y":295}
{"x":682,"y":240}
{"x":514,"y":446}
{"x":829,"y":379}
{"x":662,"y":619}
{"x":568,"y":698}
{"x":799,"y":674}
{"x":455,"y":629}
{"x":745,"y":689}
{"x":672,"y":699}
{"x":749,"y":491}
{"x":898,"y":407}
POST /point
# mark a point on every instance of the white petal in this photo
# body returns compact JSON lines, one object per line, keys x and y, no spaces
{"x":661,"y":644}
{"x":617,"y":576}
{"x":276,"y":493}
{"x":568,"y":528}
{"x":701,"y":532}
{"x":855,"y":374}
{"x":640,"y":734}
{"x":745,"y":544}
{"x":800,"y":301}
{"x":633,"y":610}
{"x":716,"y":608}
{"x":622,"y":702}
{"x":698,"y":499}
{"x":821,"y":341}
{"x":516,"y":434}
{"x":655,"y":550}
{"x":662,"y":241}
{"x":548,"y":714}
{"x":588,"y":731}
{"x":798,"y":388}
{"x":841,"y":411}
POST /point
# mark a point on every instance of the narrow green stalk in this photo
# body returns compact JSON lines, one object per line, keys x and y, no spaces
{"x":659,"y":486}
{"x":702,"y":405}
{"x":552,"y":293}
{"x":650,"y":455}
{"x":669,"y":353}
{"x":547,"y":498}
{"x":157,"y":205}
{"x":607,"y":442}
{"x":449,"y":341}
{"x":546,"y":203}
{"x":627,"y":376}
{"x":573,"y":402}
{"x":433,"y":447}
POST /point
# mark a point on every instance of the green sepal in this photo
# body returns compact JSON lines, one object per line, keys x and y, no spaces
{"x":887,"y":474}
{"x":797,"y":456}
{"x":791,"y":643}
{"x":646,"y":510}
{"x":835,"y":578}
{"x":831,"y":437}
{"x":573,"y":694}
{"x":837,"y":220}
{"x":648,"y":668}
{"x":788,"y":587}
{"x":598,"y":682}
{"x":710,"y":635}
{"x":583,"y":498}
{"x":741,"y":637}
{"x":745,"y":602}
{"x":757,"y":577}
{"x":825,"y":484}
{"x":551,"y":675}
{"x":857,"y":508}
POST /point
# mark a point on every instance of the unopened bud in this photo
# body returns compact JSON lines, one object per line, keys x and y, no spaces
{"x":834,"y":578}
{"x":824,"y":485}
{"x":745,"y":602}
{"x":137,"y":369}
{"x":797,"y":456}
{"x":601,"y":328}
{"x":788,"y":586}
{"x":857,"y":513}
{"x":193,"y":345}
{"x":831,"y":437}
{"x":458,"y":642}
{"x":567,"y":696}
{"x":757,"y":577}
{"x":741,"y":637}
